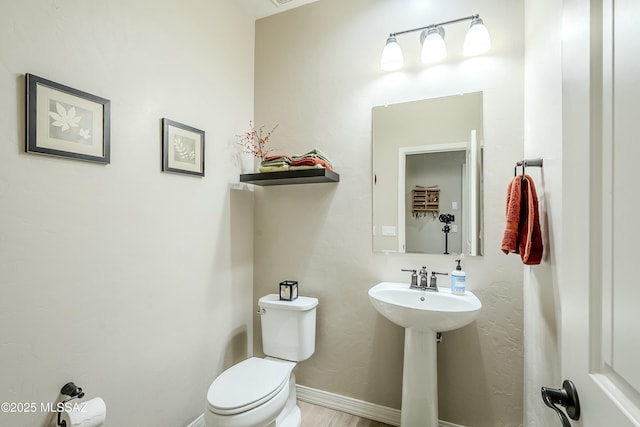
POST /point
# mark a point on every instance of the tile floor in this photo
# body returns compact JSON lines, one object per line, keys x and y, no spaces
{"x":318,"y":416}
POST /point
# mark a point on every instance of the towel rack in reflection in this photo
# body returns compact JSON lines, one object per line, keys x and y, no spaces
{"x":527,"y":163}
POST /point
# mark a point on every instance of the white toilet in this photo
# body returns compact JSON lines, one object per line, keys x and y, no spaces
{"x":262,"y":392}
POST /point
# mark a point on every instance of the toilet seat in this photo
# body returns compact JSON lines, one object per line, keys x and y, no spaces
{"x":247,"y":385}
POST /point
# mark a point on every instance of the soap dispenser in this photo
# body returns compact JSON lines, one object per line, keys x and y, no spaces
{"x":458,"y":280}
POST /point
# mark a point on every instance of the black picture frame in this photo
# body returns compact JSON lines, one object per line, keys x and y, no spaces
{"x":182,"y":148}
{"x":66,"y":122}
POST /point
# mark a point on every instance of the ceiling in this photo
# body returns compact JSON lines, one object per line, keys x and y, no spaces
{"x":261,"y":8}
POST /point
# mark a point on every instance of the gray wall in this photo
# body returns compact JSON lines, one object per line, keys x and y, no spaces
{"x":318,"y":77}
{"x":123,"y":278}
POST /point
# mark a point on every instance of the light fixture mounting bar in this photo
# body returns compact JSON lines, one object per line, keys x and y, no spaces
{"x":453,"y":21}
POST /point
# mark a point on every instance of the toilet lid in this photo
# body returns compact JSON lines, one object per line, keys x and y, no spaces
{"x":247,"y":384}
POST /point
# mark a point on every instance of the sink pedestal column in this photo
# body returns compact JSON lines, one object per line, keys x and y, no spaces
{"x":419,"y":380}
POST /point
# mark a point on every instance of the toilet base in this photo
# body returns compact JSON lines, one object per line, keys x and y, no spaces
{"x":290,"y":415}
{"x":294,"y":419}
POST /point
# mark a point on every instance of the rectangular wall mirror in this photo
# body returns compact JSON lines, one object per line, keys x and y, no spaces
{"x":427,"y":176}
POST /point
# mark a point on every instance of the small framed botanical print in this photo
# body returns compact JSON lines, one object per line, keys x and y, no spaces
{"x":182,"y":148}
{"x":66,"y":122}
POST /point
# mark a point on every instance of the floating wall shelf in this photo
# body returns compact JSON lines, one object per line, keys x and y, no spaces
{"x":306,"y":176}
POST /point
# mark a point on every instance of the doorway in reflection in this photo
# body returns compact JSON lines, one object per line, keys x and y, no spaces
{"x":425,"y":232}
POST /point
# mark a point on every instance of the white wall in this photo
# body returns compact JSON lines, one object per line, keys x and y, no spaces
{"x":123,"y":278}
{"x":318,"y":77}
{"x":543,"y":138}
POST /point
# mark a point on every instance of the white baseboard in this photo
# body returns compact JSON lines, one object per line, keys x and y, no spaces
{"x":349,"y":405}
{"x":447,"y":424}
{"x":355,"y":407}
{"x":198,"y":422}
{"x":346,"y":404}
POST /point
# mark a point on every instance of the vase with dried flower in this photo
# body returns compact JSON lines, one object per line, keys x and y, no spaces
{"x":255,"y":141}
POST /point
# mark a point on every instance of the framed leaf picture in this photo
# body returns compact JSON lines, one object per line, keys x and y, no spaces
{"x":66,"y":122}
{"x":182,"y":148}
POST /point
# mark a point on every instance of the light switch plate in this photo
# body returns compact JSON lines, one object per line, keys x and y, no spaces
{"x":388,"y":230}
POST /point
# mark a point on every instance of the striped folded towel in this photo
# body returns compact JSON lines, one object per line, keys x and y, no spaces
{"x":275,"y":161}
{"x":274,"y":168}
{"x":312,"y":158}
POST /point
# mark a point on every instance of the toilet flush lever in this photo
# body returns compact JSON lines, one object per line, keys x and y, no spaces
{"x":261,"y":311}
{"x":567,"y":397}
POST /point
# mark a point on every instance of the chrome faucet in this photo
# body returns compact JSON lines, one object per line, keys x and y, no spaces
{"x":433,"y":284}
{"x":424,"y":278}
{"x":425,"y":284}
{"x":414,"y":278}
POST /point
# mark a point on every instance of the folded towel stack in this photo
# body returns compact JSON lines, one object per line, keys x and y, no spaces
{"x":314,"y":159}
{"x":275,"y":163}
{"x":311,"y":160}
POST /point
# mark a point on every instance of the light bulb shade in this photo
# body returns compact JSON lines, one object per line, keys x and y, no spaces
{"x":391,"y":58}
{"x":433,"y":47}
{"x":477,"y":41}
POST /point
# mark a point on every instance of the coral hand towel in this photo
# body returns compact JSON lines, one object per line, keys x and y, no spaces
{"x":511,"y":232}
{"x":522,"y":233}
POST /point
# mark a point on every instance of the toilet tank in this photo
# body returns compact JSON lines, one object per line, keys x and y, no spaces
{"x":288,"y":327}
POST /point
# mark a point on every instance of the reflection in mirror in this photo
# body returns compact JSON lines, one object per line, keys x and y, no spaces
{"x":427,"y":166}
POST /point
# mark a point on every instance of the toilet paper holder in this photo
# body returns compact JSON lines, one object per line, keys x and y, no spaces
{"x":74,"y":392}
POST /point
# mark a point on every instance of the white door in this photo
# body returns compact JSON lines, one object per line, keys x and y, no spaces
{"x":600,"y":260}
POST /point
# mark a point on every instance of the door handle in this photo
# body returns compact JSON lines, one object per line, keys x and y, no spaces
{"x":567,"y":397}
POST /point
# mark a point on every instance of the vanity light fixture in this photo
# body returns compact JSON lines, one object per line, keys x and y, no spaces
{"x":433,"y":47}
{"x":476,"y":42}
{"x":392,"y":58}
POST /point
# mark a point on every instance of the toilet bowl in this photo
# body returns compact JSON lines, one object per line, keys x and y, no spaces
{"x":250,"y":393}
{"x":261,"y":392}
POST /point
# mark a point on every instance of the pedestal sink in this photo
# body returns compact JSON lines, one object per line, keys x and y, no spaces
{"x":422,"y":314}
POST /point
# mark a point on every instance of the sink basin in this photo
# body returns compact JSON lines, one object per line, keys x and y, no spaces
{"x":424,"y":310}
